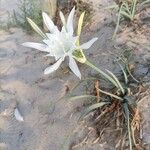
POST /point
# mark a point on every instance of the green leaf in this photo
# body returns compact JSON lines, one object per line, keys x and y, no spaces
{"x":118,"y":22}
{"x":145,"y":2}
{"x":115,"y":6}
{"x":134,"y":4}
{"x":36,"y":28}
{"x":81,"y":97}
{"x":124,"y":74}
{"x":125,"y":14}
{"x":127,"y":67}
{"x":80,"y":23}
{"x":126,"y":8}
{"x":127,"y":115}
{"x":112,"y":95}
{"x":106,"y":77}
{"x":117,"y":81}
{"x":93,"y":107}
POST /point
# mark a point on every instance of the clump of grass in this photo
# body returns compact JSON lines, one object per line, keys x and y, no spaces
{"x":126,"y":11}
{"x":6,"y":25}
{"x":28,"y":8}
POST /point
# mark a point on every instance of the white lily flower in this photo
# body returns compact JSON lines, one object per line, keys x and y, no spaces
{"x":60,"y":44}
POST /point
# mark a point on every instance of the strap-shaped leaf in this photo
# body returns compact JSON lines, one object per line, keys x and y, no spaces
{"x":110,"y":94}
{"x":124,"y":73}
{"x":117,"y":81}
{"x":127,"y":67}
{"x":81,"y":97}
{"x":127,"y":115}
{"x":106,"y":76}
{"x":80,"y":23}
{"x":126,"y":8}
{"x":134,"y":4}
{"x":125,"y":14}
{"x":36,"y":28}
{"x":115,"y":6}
{"x":118,"y":21}
{"x":93,"y":107}
{"x":145,"y":2}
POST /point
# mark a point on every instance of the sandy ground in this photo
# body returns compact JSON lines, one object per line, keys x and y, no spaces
{"x":48,"y":121}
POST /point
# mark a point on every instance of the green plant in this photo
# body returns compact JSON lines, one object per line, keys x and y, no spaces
{"x":125,"y":11}
{"x":145,"y":2}
{"x":6,"y":25}
{"x":121,"y":96}
{"x":28,"y":8}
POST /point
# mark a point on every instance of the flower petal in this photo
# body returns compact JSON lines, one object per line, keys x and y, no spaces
{"x":88,"y":44}
{"x":73,"y":66}
{"x":70,"y":21}
{"x":53,"y":67}
{"x":39,"y":46}
{"x":62,"y":17}
{"x":49,"y":23}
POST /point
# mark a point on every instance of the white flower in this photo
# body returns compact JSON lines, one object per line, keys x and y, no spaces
{"x":59,"y":44}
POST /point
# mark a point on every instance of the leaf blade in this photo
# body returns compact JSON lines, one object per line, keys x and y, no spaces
{"x":92,"y":107}
{"x":110,"y":94}
{"x":117,"y":81}
{"x":80,"y":97}
{"x":36,"y":28}
{"x":80,"y":23}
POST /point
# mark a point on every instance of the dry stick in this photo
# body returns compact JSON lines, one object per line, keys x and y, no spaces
{"x":135,"y":125}
{"x":111,"y":95}
{"x":97,"y":91}
{"x":123,"y":141}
